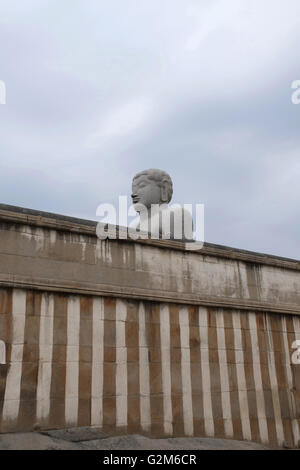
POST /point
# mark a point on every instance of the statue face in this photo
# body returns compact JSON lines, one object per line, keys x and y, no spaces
{"x":145,"y":191}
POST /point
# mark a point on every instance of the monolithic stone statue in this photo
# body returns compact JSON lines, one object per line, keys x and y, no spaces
{"x":152,"y":191}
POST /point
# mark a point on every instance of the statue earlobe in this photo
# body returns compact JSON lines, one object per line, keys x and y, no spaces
{"x":164,"y":194}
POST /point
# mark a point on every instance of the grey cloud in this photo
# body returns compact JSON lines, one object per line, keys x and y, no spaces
{"x":217,"y":78}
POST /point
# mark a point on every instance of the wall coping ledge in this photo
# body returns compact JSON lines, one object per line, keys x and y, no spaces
{"x":59,"y":222}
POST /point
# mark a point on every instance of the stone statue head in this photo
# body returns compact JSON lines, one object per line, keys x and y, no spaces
{"x":151,"y":187}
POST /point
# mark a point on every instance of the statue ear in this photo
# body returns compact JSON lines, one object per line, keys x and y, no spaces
{"x":164,"y":193}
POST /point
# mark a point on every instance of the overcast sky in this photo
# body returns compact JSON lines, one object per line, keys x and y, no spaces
{"x":98,"y":90}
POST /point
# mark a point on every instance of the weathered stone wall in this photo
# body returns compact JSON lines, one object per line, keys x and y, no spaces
{"x":144,"y":336}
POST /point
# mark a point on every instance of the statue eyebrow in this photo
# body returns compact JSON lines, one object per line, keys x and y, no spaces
{"x":139,"y":182}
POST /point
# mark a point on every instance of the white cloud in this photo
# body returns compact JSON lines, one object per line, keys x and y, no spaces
{"x":119,"y":123}
{"x":238,"y":43}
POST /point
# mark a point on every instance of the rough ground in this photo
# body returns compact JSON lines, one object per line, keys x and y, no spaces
{"x":93,"y":439}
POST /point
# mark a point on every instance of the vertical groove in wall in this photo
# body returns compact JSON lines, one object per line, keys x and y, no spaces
{"x":241,"y":378}
{"x":133,"y":367}
{"x":155,"y":368}
{"x":249,"y":375}
{"x":27,"y":413}
{"x":232,"y":372}
{"x":58,"y":376}
{"x":224,"y":375}
{"x":215,"y":378}
{"x":72,"y":361}
{"x":45,"y":358}
{"x":176,"y":372}
{"x":274,"y":384}
{"x":121,"y":365}
{"x":264,"y":348}
{"x":282,"y":377}
{"x":166,"y":368}
{"x":260,"y":399}
{"x":144,"y":371}
{"x":196,"y":373}
{"x":186,"y":372}
{"x":6,"y":337}
{"x":109,"y":367}
{"x":290,"y":384}
{"x":12,"y":393}
{"x":85,"y":361}
{"x":97,"y":362}
{"x":209,"y":427}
